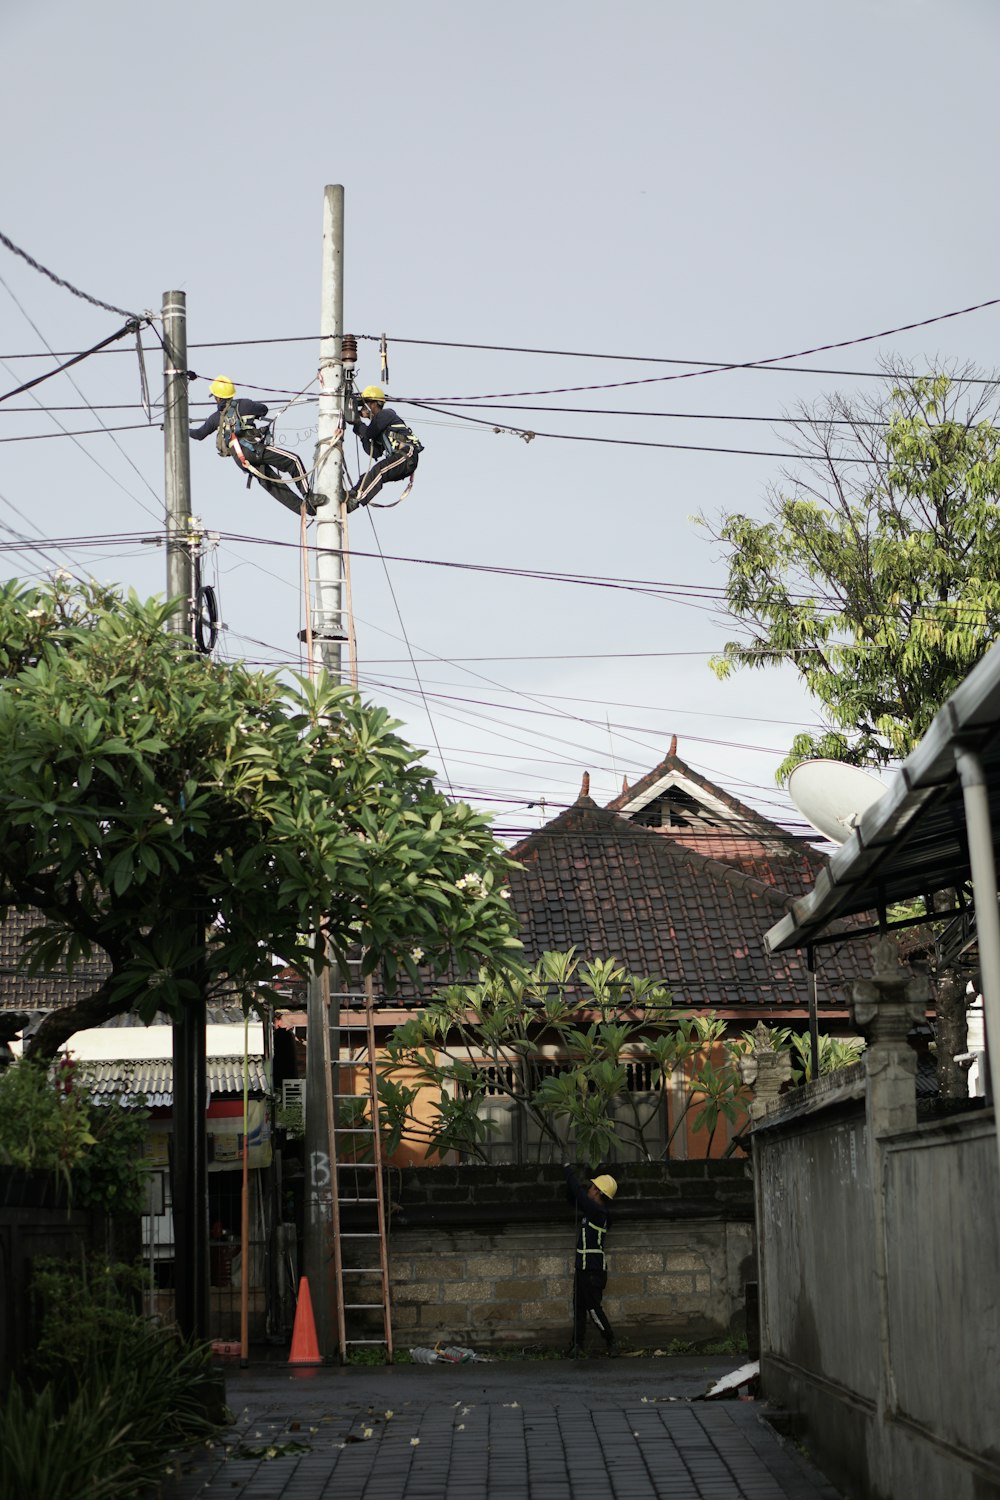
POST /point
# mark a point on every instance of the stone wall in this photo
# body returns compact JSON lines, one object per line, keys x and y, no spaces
{"x":484,"y":1255}
{"x":880,"y":1320}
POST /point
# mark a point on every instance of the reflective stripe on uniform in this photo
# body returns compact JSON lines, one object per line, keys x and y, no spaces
{"x":594,"y":1251}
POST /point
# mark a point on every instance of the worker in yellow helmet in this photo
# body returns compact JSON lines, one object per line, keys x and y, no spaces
{"x":590,"y":1261}
{"x":389,"y":442}
{"x":238,"y":437}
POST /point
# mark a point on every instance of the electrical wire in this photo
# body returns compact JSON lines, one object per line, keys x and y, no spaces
{"x":616,"y":442}
{"x":66,"y":285}
{"x":413,"y":663}
{"x":718,"y":369}
{"x":652,"y":708}
{"x":583,"y":411}
{"x":37,"y":437}
{"x":515,"y":708}
{"x":27,"y":385}
{"x":702,"y":367}
{"x":141,"y":504}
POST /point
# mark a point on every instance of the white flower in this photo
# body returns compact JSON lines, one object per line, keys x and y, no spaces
{"x":388,"y":1414}
{"x":460,"y":1427}
{"x":416,"y":954}
{"x":169,"y":822}
{"x":35,"y":614}
{"x":414,"y":1442}
{"x":367,"y":1432}
{"x":505,"y":895}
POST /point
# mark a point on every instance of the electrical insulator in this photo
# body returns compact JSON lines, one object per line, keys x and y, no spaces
{"x":349,"y":347}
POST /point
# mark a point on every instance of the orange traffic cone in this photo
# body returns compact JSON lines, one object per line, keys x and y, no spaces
{"x":305,"y":1349}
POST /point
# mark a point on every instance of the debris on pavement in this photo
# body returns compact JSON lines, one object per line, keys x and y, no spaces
{"x":449,"y":1354}
{"x":743,"y":1381}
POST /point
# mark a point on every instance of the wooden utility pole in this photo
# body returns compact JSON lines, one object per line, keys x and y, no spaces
{"x":190,"y":1154}
{"x":328,"y":635}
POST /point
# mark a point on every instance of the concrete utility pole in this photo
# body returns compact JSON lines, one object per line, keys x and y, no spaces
{"x":329,"y":624}
{"x":190,"y":1155}
{"x":329,"y":634}
{"x":177,"y":455}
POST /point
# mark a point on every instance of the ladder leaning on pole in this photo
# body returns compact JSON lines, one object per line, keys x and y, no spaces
{"x":359,"y":1224}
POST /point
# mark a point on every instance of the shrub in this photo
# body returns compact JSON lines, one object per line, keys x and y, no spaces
{"x":95,"y":1361}
{"x":62,"y":1454}
{"x":44,"y":1119}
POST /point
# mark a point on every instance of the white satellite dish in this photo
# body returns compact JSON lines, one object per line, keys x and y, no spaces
{"x":832,"y":796}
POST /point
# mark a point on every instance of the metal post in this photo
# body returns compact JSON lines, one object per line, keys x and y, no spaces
{"x":190,"y":1153}
{"x":328,"y":636}
{"x":982,"y":860}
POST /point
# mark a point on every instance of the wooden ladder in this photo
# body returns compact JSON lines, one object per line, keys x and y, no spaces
{"x":359,"y":1221}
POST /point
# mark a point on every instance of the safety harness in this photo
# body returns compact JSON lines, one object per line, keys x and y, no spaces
{"x":233,"y":430}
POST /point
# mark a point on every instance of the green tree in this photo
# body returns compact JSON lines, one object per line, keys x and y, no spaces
{"x":149,"y":796}
{"x":875,"y":575}
{"x":503,"y":1033}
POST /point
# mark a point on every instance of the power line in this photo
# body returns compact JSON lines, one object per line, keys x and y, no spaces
{"x":718,"y":369}
{"x":615,"y":442}
{"x":141,"y":504}
{"x":66,"y":285}
{"x":701,"y":367}
{"x":77,"y":358}
{"x":553,"y":713}
{"x":37,"y":437}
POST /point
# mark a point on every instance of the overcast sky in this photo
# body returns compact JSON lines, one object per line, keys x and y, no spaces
{"x":658,"y":179}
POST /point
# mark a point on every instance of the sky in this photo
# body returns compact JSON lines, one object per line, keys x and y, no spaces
{"x":656,"y":181}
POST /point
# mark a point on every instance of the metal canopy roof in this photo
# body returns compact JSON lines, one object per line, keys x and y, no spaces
{"x":913,"y":841}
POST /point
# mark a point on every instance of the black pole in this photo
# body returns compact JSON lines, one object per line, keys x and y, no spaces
{"x":813,"y":1012}
{"x":190,"y":1170}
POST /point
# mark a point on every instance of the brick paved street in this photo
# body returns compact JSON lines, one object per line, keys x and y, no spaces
{"x":534,"y":1430}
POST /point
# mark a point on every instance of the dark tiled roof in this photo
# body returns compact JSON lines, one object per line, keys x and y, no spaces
{"x":593,"y":880}
{"x":41,"y":992}
{"x":721,"y":827}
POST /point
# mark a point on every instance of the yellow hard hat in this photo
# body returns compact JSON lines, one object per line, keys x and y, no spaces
{"x":606,"y":1185}
{"x":222,"y":387}
{"x":373,"y":393}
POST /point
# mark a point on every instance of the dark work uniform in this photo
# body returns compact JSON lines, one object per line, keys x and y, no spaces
{"x":394,"y":449}
{"x":590,"y":1275}
{"x":249,"y":446}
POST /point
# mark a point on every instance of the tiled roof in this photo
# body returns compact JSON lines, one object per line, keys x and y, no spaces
{"x":41,"y":992}
{"x":153,"y":1078}
{"x":593,"y":880}
{"x":716,"y":824}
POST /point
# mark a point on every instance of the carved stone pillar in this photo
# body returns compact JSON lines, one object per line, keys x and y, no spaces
{"x":884,"y":1009}
{"x":765,"y":1070}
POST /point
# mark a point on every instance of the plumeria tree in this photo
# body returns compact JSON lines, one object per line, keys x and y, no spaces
{"x":502,"y":1033}
{"x":191,"y":823}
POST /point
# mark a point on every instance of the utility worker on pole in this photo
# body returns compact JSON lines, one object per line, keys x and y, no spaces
{"x":237,"y":437}
{"x":386,"y":438}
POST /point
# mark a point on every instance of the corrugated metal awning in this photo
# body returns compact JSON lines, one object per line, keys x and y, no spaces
{"x":151,"y":1080}
{"x":913,"y":841}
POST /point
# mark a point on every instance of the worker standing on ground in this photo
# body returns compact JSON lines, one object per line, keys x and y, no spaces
{"x":238,"y":437}
{"x":590,"y":1268}
{"x":388,"y":441}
